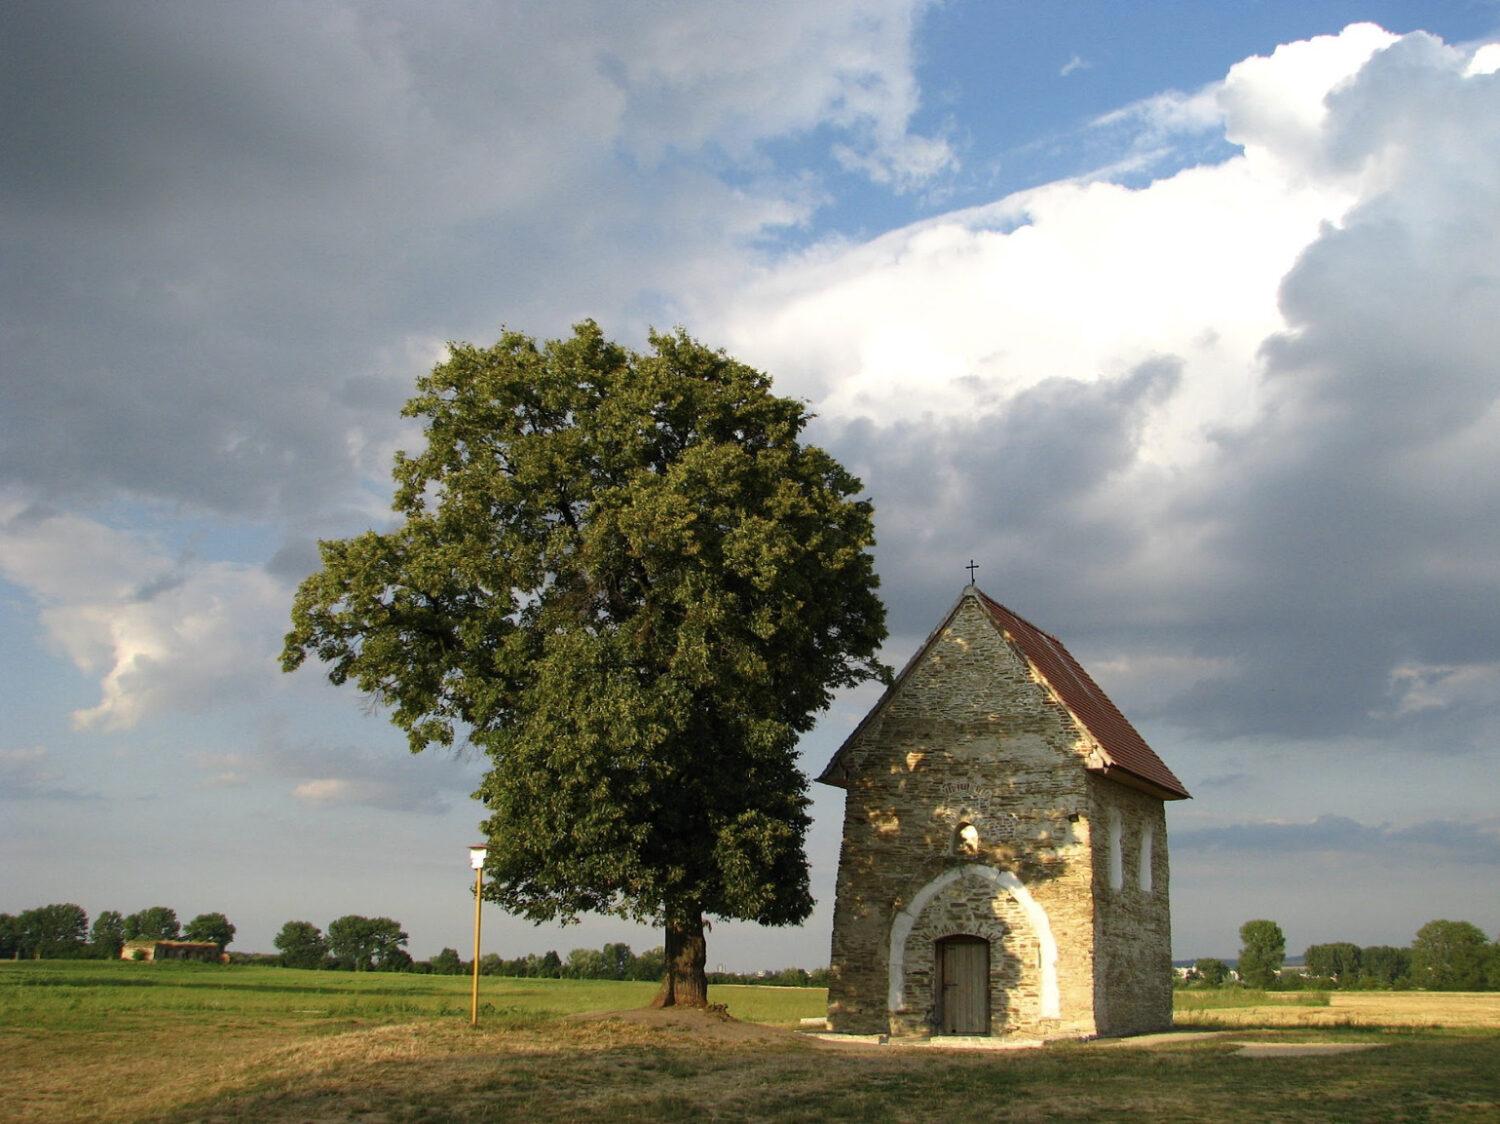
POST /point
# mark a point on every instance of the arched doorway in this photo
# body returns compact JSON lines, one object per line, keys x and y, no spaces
{"x":963,"y":964}
{"x":917,"y":969}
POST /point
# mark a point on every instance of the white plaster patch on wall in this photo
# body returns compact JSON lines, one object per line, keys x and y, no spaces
{"x":902,"y":925}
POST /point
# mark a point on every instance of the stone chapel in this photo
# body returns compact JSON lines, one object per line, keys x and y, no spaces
{"x":1004,"y":861}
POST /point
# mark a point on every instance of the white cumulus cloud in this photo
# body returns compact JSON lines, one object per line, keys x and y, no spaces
{"x":158,"y":633}
{"x":1081,"y":280}
{"x":1241,"y":420}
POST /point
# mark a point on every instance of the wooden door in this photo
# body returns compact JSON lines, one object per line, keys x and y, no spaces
{"x":964,"y":973}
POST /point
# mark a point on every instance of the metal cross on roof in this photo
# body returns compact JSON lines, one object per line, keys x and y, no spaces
{"x":971,"y":567}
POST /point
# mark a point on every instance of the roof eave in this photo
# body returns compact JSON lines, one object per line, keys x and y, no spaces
{"x":1122,"y":775}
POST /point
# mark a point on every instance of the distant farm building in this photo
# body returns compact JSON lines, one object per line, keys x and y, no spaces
{"x":1004,"y":862}
{"x":206,"y":951}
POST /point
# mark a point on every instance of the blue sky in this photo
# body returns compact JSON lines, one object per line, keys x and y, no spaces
{"x":1179,"y":318}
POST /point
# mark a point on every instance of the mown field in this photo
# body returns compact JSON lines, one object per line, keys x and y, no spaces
{"x":184,"y":1042}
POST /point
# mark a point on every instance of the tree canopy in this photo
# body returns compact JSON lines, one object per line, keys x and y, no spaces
{"x":108,"y":934}
{"x":1339,"y":961}
{"x":1383,"y":965}
{"x":1449,"y":956}
{"x":52,"y":930}
{"x":158,"y":923}
{"x":625,"y":578}
{"x":301,"y":945}
{"x":1262,"y":952}
{"x":210,"y":927}
{"x":1211,"y":970}
{"x":368,"y":943}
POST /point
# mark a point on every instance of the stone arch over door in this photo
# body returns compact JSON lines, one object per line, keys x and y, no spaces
{"x":1026,"y":912}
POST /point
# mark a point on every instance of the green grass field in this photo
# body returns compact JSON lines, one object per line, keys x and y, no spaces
{"x":97,"y":996}
{"x":179,"y":1042}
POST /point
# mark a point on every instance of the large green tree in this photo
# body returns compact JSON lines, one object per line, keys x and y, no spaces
{"x":367,"y":944}
{"x":1262,"y":952}
{"x":619,"y":961}
{"x":301,"y":944}
{"x":210,"y":927}
{"x":158,"y":923}
{"x":626,"y":578}
{"x":57,"y":930}
{"x":1211,"y":970}
{"x":108,"y":934}
{"x":1383,"y":965}
{"x":1339,"y":961}
{"x":1449,"y":956}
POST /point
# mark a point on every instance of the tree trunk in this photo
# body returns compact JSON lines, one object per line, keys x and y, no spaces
{"x":684,"y":983}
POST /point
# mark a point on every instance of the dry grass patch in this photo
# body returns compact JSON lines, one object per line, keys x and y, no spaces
{"x":107,"y":1077}
{"x":1358,"y":1008}
{"x":634,"y":1066}
{"x":1419,"y":1008}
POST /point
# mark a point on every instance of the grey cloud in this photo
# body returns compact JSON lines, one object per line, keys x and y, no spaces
{"x":325,"y":774}
{"x":228,"y":229}
{"x":189,"y":228}
{"x":166,"y":583}
{"x":294,"y":560}
{"x":1446,"y":841}
{"x":1006,"y":487}
{"x":28,"y":774}
{"x":1364,"y":509}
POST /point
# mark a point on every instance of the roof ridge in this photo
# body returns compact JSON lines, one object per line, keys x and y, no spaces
{"x":1030,"y":624}
{"x":1121,"y":743}
{"x":1127,"y":758}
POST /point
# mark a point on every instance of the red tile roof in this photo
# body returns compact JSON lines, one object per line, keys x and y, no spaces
{"x":1126,"y":756}
{"x":1124,"y":748}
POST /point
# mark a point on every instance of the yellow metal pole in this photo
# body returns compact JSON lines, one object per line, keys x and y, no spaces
{"x":474,"y":991}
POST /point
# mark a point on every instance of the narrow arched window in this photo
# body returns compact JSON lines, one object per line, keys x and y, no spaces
{"x":966,"y":840}
{"x":1143,"y":866}
{"x":1116,"y":851}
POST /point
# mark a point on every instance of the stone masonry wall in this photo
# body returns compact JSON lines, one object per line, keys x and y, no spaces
{"x":968,"y":738}
{"x":1134,"y":924}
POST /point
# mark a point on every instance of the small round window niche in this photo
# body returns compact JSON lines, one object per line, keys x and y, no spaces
{"x":966,"y":841}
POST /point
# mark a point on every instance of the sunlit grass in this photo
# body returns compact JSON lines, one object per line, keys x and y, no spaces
{"x":127,"y":1042}
{"x":87,"y":996}
{"x":1223,"y":997}
{"x":1233,"y":1007}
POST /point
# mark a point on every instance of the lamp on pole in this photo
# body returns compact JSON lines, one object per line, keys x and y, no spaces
{"x":476,"y":860}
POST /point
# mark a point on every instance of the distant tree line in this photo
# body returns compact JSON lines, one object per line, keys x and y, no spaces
{"x":61,"y":931}
{"x":355,"y":943}
{"x":612,"y":962}
{"x":1444,"y":956}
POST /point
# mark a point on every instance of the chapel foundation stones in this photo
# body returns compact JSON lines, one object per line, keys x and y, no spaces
{"x":1004,"y":863}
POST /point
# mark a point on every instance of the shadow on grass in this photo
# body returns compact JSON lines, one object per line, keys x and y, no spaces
{"x":503,"y":1077}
